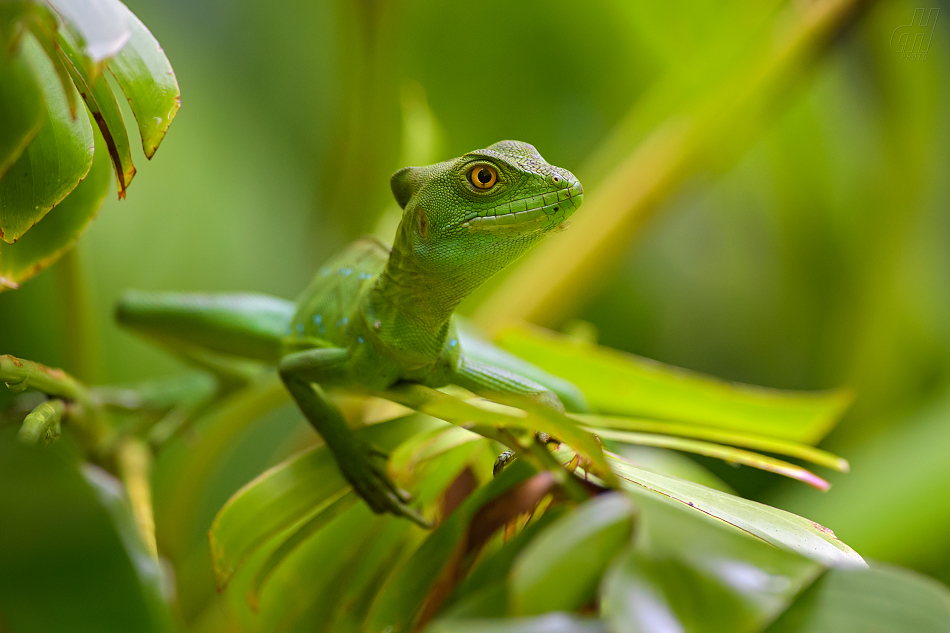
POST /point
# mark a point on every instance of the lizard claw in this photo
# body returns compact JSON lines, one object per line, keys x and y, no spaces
{"x":370,"y":481}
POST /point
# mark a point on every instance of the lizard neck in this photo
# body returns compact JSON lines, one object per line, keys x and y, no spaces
{"x":409,"y":309}
{"x":406,"y":292}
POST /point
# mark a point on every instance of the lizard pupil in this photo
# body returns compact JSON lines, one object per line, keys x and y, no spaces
{"x":483,"y":177}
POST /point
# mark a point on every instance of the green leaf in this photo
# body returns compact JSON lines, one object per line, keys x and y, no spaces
{"x":772,"y":525}
{"x":623,"y":384}
{"x":687,"y":573}
{"x":102,"y":24}
{"x":21,"y":108}
{"x":649,"y":594}
{"x":538,"y":418}
{"x":52,"y":164}
{"x":672,"y":464}
{"x":310,"y":583}
{"x":549,"y":623}
{"x":289,"y":494}
{"x":345,"y":585}
{"x":327,"y":512}
{"x":495,"y":568}
{"x":43,"y":24}
{"x":489,"y":601}
{"x":560,"y":570}
{"x":148,"y":81}
{"x":747,"y":440}
{"x":50,"y":239}
{"x":904,"y":469}
{"x":105,"y":111}
{"x":405,"y":592}
{"x":726,"y":453}
{"x":882,"y":599}
{"x":384,"y":552}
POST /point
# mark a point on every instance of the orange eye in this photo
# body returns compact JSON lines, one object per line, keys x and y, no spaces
{"x":483,"y":177}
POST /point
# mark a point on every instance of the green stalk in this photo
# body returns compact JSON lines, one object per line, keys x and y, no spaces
{"x":82,"y":352}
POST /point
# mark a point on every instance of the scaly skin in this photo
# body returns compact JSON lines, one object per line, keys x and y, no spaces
{"x":374,"y":317}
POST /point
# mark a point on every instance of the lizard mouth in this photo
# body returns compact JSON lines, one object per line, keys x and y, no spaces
{"x":543,"y":211}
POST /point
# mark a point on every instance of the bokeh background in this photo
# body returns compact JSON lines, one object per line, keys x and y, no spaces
{"x":812,"y":252}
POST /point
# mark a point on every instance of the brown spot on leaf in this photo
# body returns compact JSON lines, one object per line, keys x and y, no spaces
{"x":487,"y":520}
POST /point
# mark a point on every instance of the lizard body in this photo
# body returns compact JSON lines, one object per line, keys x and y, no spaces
{"x":375,"y":317}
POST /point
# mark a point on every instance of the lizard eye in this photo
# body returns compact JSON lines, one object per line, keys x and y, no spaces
{"x":483,"y":177}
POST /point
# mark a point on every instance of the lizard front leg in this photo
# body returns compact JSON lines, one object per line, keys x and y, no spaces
{"x":485,"y":379}
{"x":362,"y":466}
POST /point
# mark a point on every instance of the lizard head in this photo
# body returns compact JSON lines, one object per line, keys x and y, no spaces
{"x":469,"y":217}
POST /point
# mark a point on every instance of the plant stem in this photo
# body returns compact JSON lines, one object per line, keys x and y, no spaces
{"x":135,"y":465}
{"x":82,"y":356}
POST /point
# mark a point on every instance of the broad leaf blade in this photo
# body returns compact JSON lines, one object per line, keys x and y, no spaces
{"x":43,"y":24}
{"x":770,"y":524}
{"x":624,"y":384}
{"x":687,"y":573}
{"x":52,"y":164}
{"x":59,"y":230}
{"x":405,"y":592}
{"x":344,"y":592}
{"x":288,"y":494}
{"x":338,"y":504}
{"x":460,"y":412}
{"x":21,"y":109}
{"x":105,"y":111}
{"x":470,"y":596}
{"x":560,"y":570}
{"x":148,"y":81}
{"x":102,"y":25}
{"x":548,"y":623}
{"x":882,"y":598}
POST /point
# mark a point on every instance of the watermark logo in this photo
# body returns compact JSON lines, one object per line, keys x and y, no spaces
{"x":912,"y":40}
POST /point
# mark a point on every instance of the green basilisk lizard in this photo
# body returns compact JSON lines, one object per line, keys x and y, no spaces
{"x":373,"y":317}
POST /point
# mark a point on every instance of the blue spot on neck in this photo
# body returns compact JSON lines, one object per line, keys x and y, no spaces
{"x":453,"y":343}
{"x":318,"y":319}
{"x":359,"y":338}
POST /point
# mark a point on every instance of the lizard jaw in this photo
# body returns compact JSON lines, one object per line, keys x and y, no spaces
{"x":536,"y":212}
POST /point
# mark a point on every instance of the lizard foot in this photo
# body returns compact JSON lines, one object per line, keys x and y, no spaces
{"x":365,"y":469}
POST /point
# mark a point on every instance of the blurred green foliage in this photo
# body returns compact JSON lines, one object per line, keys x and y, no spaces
{"x":817,"y":257}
